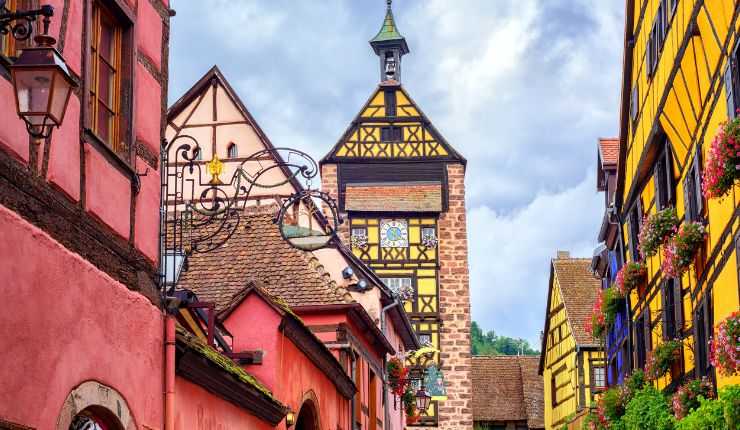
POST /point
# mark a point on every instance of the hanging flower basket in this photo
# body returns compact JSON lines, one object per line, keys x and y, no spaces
{"x":721,"y":165}
{"x":630,"y":276}
{"x":656,"y":230}
{"x":660,"y":360}
{"x":725,"y":350}
{"x":359,"y":241}
{"x":596,"y":323}
{"x":613,"y":302}
{"x":687,"y":396}
{"x":679,"y":252}
{"x":397,"y":376}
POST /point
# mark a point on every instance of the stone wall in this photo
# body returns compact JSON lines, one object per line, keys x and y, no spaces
{"x":330,"y":184}
{"x":454,"y":298}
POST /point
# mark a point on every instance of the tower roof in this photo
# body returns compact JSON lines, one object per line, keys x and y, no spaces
{"x":388,"y":33}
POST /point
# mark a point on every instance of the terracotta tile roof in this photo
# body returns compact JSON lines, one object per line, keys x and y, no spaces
{"x":258,"y":251}
{"x":579,"y":289}
{"x":609,"y":150}
{"x":397,"y":197}
{"x":507,"y":388}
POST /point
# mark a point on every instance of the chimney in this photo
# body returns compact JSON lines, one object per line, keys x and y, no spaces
{"x":562,"y":255}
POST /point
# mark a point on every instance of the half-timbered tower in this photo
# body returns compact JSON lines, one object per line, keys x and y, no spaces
{"x":400,"y":185}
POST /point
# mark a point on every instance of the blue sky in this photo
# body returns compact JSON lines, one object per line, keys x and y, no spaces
{"x":522,"y":88}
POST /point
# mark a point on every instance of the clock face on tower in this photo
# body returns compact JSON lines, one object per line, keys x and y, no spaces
{"x":394,"y":233}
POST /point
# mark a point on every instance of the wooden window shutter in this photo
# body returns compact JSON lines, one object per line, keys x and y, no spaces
{"x":648,"y":330}
{"x":658,"y":181}
{"x":666,"y":314}
{"x":668,"y":171}
{"x":634,"y":101}
{"x":696,"y":172}
{"x":689,"y":201}
{"x":729,"y":87}
{"x":678,"y":307}
{"x":708,"y":327}
{"x":630,"y":242}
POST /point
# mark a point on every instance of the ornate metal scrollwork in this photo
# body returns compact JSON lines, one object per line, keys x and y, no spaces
{"x":20,"y":24}
{"x":202,"y":209}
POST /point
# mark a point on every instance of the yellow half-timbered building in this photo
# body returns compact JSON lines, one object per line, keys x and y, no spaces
{"x":680,"y":83}
{"x":400,"y":187}
{"x":572,"y":361}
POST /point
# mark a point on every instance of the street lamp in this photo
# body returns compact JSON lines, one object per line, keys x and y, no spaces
{"x":423,"y":398}
{"x":41,"y":79}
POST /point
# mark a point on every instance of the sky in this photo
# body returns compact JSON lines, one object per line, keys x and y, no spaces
{"x":522,"y":88}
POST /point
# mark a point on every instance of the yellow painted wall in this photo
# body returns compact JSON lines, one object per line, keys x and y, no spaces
{"x":686,"y":98}
{"x":562,"y":358}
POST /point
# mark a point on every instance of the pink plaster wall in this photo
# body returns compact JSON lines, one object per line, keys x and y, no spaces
{"x":64,"y":153}
{"x":107,"y":192}
{"x":13,"y":134}
{"x":148,"y":107}
{"x":198,"y":409}
{"x":288,"y":373}
{"x":66,"y":323}
{"x":146,"y":223}
{"x":149,"y":41}
{"x":254,"y":325}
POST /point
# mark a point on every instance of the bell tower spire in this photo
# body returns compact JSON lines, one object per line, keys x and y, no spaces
{"x":389,"y":46}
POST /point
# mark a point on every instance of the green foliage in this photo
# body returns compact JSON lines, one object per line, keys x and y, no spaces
{"x":648,"y":410}
{"x":635,"y":382}
{"x":488,"y":343}
{"x":660,"y":359}
{"x":613,"y":403}
{"x":613,"y":303}
{"x":717,"y":414}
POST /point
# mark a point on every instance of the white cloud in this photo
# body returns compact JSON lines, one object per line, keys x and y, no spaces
{"x":510,"y":255}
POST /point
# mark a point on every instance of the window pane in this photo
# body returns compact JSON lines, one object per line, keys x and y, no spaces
{"x":106,"y":40}
{"x":105,"y":84}
{"x":104,"y":128}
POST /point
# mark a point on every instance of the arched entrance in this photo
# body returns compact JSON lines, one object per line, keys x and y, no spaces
{"x":94,"y":406}
{"x":308,"y":417}
{"x":95,"y":418}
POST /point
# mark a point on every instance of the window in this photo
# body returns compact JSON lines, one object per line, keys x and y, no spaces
{"x":425,"y":338}
{"x":400,"y":286}
{"x":634,"y":219}
{"x":672,"y":308}
{"x":390,"y":102}
{"x":663,"y":178}
{"x":198,"y":154}
{"x":598,"y":377}
{"x":634,"y":103}
{"x":9,"y":47}
{"x":558,"y":382}
{"x":640,"y":349}
{"x":173,"y":264}
{"x":702,"y":332}
{"x":732,"y":89}
{"x":693,"y":199}
{"x":105,"y":72}
{"x":428,"y":233}
{"x":658,"y":34}
{"x":391,"y":134}
{"x":232,"y":151}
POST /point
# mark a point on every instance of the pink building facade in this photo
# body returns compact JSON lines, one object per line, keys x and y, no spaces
{"x":79,"y":221}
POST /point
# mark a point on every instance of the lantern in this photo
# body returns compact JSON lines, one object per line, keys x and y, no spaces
{"x":42,"y":85}
{"x":423,"y":398}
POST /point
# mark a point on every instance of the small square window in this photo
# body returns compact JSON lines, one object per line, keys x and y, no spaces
{"x":425,"y":338}
{"x":233,"y":151}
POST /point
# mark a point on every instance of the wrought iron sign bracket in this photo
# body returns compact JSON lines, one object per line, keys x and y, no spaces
{"x":20,"y":24}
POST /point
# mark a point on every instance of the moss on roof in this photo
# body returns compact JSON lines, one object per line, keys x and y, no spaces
{"x":223,"y":362}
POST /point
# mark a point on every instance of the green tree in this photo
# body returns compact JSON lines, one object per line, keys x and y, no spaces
{"x":488,"y":343}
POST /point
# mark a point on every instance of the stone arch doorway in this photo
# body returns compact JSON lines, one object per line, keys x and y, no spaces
{"x":94,"y":406}
{"x":308,"y":416}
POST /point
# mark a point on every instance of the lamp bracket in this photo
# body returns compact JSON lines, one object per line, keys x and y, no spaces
{"x":20,"y":24}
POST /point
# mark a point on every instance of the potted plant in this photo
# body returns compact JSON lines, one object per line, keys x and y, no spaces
{"x":725,"y":348}
{"x":656,"y":230}
{"x":686,"y":398}
{"x":680,"y":251}
{"x":630,"y":276}
{"x":720,"y":167}
{"x":661,"y":359}
{"x":613,"y":302}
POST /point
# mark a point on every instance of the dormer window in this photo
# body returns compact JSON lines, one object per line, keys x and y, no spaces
{"x":233,"y":151}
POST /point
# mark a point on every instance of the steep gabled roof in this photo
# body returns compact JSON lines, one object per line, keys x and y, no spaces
{"x":214,"y":76}
{"x":416,"y":115}
{"x":258,"y":251}
{"x":579,"y":289}
{"x":507,"y":388}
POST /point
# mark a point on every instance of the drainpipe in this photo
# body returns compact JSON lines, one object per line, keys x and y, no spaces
{"x":172,"y":305}
{"x":387,"y":412}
